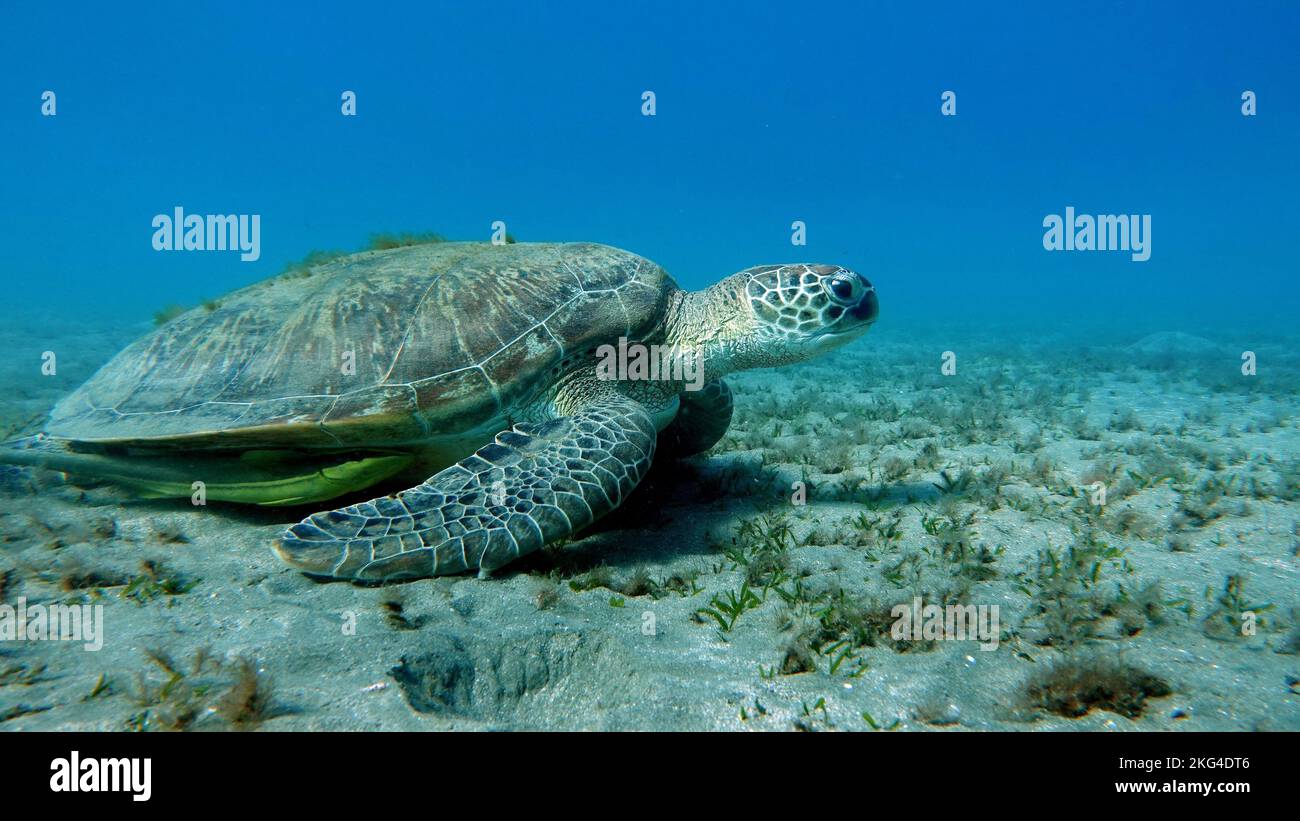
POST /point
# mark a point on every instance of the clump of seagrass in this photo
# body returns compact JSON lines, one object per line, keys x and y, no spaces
{"x":206,"y":693}
{"x":1073,"y":687}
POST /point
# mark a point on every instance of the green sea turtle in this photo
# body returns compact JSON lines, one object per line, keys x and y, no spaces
{"x":480,"y":366}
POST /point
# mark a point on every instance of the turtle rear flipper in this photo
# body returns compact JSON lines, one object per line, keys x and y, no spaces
{"x":533,"y":485}
{"x":291,"y":485}
{"x":272,"y":478}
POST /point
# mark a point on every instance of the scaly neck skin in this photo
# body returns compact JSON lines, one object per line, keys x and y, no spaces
{"x":715,"y":323}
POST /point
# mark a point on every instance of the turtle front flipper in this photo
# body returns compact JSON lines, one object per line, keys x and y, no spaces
{"x":533,"y":485}
{"x":702,"y":419}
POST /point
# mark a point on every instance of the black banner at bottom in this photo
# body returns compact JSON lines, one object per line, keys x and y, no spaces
{"x":215,"y":771}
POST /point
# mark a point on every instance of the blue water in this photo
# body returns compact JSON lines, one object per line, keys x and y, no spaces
{"x":530,"y":113}
{"x":828,"y":115}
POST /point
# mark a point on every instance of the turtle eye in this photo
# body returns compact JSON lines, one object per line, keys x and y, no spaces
{"x":841,"y":289}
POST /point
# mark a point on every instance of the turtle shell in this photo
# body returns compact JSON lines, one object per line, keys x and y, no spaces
{"x":379,"y":348}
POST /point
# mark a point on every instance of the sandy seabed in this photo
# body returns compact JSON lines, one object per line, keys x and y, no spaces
{"x":751,"y":588}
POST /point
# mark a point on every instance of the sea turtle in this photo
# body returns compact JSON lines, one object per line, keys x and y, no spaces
{"x":485,"y":367}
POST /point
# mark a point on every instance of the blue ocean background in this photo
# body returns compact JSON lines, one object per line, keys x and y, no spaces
{"x":1101,"y":454}
{"x":530,"y":113}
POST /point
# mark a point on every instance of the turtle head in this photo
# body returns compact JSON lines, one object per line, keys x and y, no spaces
{"x":773,"y":315}
{"x":778,"y":314}
{"x":811,"y":307}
